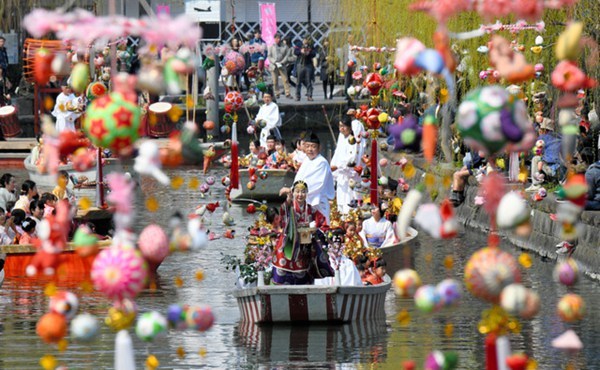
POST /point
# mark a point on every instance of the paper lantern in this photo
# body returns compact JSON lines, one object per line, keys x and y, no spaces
{"x":154,"y":244}
{"x":119,"y":273}
{"x":450,"y":292}
{"x":490,"y":117}
{"x":427,"y":299}
{"x":571,"y":308}
{"x":235,"y":100}
{"x":566,"y":272}
{"x":488,"y":271}
{"x":113,"y":122}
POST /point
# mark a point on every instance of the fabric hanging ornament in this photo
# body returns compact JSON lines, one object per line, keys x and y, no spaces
{"x":234,"y":174}
{"x":373,"y":168}
{"x":491,"y":357}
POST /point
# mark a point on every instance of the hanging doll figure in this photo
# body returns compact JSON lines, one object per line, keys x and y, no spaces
{"x":299,"y":256}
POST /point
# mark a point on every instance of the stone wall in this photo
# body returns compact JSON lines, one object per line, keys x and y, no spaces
{"x":544,"y":235}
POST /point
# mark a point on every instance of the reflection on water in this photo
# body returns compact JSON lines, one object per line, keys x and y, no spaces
{"x":233,"y":345}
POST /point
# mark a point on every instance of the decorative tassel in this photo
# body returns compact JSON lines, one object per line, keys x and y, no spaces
{"x":429,"y":140}
{"x":124,"y":359}
{"x":491,"y":358}
{"x":502,"y":351}
{"x":234,"y":173}
{"x":373,"y":168}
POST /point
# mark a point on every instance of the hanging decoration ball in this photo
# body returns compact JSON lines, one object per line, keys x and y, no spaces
{"x":52,"y":327}
{"x":80,"y":77}
{"x":154,"y":244}
{"x":490,"y":117}
{"x":199,"y":318}
{"x":383,"y":162}
{"x":85,"y":241}
{"x":438,"y":360}
{"x":150,"y":325}
{"x":251,"y":185}
{"x":373,"y":118}
{"x":121,"y":315}
{"x":254,"y":178}
{"x":571,"y":308}
{"x":263,"y":175}
{"x":113,"y":122}
{"x":85,"y":327}
{"x":225,"y":129}
{"x":427,"y":299}
{"x":566,"y":272}
{"x":250,"y":130}
{"x":234,"y":62}
{"x":532,"y":305}
{"x":383,"y":146}
{"x":450,"y":292}
{"x":376,"y":66}
{"x":204,"y":188}
{"x":488,"y":271}
{"x":210,"y":180}
{"x":176,"y":316}
{"x":513,"y":298}
{"x":382,"y":181}
{"x":539,"y":40}
{"x":235,"y":99}
{"x":95,"y":90}
{"x":251,"y":208}
{"x":119,"y":273}
{"x":383,"y":117}
{"x":225,"y":181}
{"x":208,"y":125}
{"x":407,"y":135}
{"x":42,"y":66}
{"x":406,"y":282}
{"x":64,"y":303}
{"x":373,"y":83}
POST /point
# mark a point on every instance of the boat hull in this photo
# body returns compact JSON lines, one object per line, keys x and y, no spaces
{"x":310,"y":303}
{"x":265,"y":189}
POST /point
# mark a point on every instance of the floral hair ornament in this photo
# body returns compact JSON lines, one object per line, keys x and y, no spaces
{"x":300,"y":185}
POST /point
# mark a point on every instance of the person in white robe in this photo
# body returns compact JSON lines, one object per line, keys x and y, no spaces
{"x":65,"y":110}
{"x":357,"y":131}
{"x":342,"y":166}
{"x":377,"y":231}
{"x":316,"y":173}
{"x":269,"y":113}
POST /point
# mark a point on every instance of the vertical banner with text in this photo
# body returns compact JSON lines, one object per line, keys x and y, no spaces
{"x":268,"y":21}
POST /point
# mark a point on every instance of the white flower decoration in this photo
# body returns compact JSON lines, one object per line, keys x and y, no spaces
{"x":467,"y":114}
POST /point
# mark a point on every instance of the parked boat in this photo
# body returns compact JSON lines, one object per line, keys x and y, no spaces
{"x":47,"y":181}
{"x":19,"y":256}
{"x":390,"y":249}
{"x":265,"y":189}
{"x":312,"y":303}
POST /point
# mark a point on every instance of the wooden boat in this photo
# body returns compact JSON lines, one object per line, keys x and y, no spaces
{"x":18,"y":257}
{"x":265,"y":189}
{"x":412,"y":234}
{"x":48,"y":181}
{"x":312,"y":303}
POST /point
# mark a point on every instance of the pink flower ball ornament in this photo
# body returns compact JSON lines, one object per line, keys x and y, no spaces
{"x":119,"y":273}
{"x":154,"y":244}
{"x":64,"y":303}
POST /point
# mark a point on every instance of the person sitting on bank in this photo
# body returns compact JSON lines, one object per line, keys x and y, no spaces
{"x":473,"y":161}
{"x":548,"y":165}
{"x":592,"y":177}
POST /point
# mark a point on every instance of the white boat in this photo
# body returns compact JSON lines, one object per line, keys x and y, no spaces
{"x":48,"y":182}
{"x":266,"y":188}
{"x":312,"y":303}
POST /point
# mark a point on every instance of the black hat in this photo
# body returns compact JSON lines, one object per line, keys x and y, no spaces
{"x":312,"y":138}
{"x":392,"y":184}
{"x":347,"y":121}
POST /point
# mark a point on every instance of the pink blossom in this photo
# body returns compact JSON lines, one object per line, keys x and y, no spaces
{"x":568,"y":77}
{"x":357,"y":75}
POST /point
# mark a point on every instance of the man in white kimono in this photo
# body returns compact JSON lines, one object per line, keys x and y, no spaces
{"x":65,"y":109}
{"x":316,"y":173}
{"x":357,"y":131}
{"x":269,"y":113}
{"x":342,"y":166}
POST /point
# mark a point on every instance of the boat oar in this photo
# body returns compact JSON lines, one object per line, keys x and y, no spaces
{"x":329,"y":125}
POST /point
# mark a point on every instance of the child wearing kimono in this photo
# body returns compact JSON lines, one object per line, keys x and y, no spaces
{"x":295,"y":262}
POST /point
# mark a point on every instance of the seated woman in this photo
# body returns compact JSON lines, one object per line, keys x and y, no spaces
{"x":251,"y":159}
{"x":298,"y":261}
{"x":378,"y":271}
{"x":377,"y":231}
{"x":279,"y":159}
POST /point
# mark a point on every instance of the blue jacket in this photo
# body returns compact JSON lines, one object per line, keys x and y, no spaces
{"x":254,"y":57}
{"x":592,"y":177}
{"x":551,"y":148}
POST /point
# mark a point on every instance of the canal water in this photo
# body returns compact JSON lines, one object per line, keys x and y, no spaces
{"x":232,"y":345}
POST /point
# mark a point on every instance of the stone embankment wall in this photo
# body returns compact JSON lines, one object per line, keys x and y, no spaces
{"x":544,"y":235}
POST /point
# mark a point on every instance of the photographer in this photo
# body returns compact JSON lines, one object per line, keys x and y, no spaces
{"x":305,"y":68}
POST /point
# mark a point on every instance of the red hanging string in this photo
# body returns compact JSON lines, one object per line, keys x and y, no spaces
{"x":373,"y":169}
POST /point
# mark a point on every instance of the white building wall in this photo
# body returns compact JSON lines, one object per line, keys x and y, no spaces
{"x":287,"y":10}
